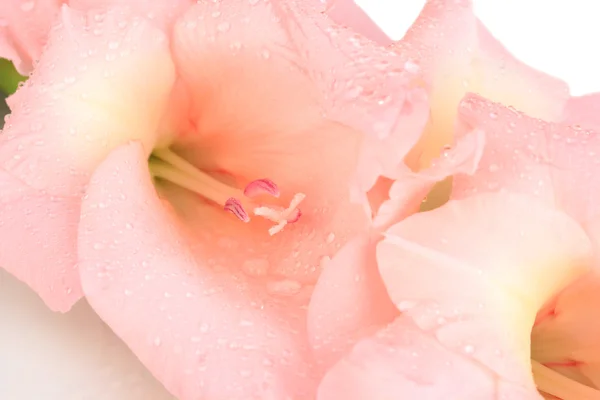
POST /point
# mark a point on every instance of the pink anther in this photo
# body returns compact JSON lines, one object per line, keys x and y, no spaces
{"x":234,"y":206}
{"x":261,"y":186}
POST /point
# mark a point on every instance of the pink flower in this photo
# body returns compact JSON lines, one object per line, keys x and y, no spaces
{"x":144,"y":128}
{"x":176,"y":116}
{"x":504,"y":273}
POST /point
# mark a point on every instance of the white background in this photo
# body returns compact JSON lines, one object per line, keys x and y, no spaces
{"x":560,"y":37}
{"x":62,"y":357}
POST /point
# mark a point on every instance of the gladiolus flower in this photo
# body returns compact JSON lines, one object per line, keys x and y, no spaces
{"x":192,"y":165}
{"x":437,"y":341}
{"x":214,"y":146}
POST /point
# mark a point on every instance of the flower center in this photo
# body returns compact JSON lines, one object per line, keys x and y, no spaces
{"x":166,"y":165}
{"x":547,"y":376}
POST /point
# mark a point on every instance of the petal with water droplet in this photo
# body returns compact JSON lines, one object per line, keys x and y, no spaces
{"x":38,"y":233}
{"x":402,"y":361}
{"x":24,"y":27}
{"x":583,"y":111}
{"x":350,"y":14}
{"x":455,"y":55}
{"x":64,"y":120}
{"x":349,"y":301}
{"x":224,"y":322}
{"x":269,"y":113}
{"x":555,"y":162}
{"x":472,"y":264}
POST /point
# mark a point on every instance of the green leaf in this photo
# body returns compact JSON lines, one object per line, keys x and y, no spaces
{"x":9,"y":77}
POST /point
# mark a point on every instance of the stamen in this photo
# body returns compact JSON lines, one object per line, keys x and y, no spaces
{"x":279,"y":216}
{"x":261,"y":186}
{"x":235,"y":207}
{"x":169,"y":166}
{"x":202,"y":183}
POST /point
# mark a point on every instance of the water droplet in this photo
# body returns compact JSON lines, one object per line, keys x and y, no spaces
{"x":27,"y":5}
{"x":256,"y":267}
{"x":411,"y":67}
{"x":284,"y":287}
{"x":267,"y":362}
{"x":204,"y":328}
{"x":405,"y":305}
{"x":265,"y":54}
{"x":246,"y":323}
{"x":157,"y":341}
{"x":223,"y":26}
{"x":494,"y":168}
{"x":469,"y":349}
{"x":246,"y":373}
{"x":98,"y":246}
{"x":330,"y":238}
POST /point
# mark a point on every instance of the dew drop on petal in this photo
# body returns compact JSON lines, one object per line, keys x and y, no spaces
{"x":27,"y":5}
{"x":284,"y":287}
{"x":330,"y":238}
{"x":223,"y":26}
{"x":256,"y":267}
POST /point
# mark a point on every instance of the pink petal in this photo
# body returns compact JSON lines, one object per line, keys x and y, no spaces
{"x":454,"y":54}
{"x":439,"y":46}
{"x":161,"y":13}
{"x":515,"y":156}
{"x":349,"y":301}
{"x":25,"y":24}
{"x":24,"y":27}
{"x":471,"y":264}
{"x":38,"y":241}
{"x":469,"y":304}
{"x":69,"y":114}
{"x":82,"y":100}
{"x":348,"y":13}
{"x":411,"y":190}
{"x":557,"y":163}
{"x":583,"y":111}
{"x":237,"y":93}
{"x":354,"y":81}
{"x":203,"y":331}
{"x":404,"y":362}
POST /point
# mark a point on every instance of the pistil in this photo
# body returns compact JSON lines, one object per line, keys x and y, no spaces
{"x":169,"y":166}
